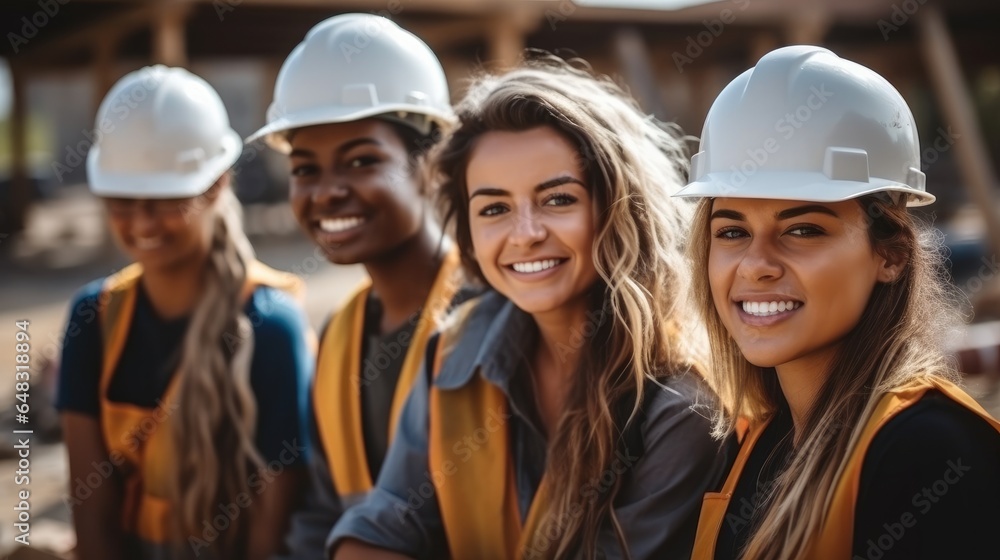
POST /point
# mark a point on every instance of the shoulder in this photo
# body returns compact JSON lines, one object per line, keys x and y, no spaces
{"x":679,"y":407}
{"x":928,"y":432}
{"x":683,"y":393}
{"x":274,"y":314}
{"x":87,"y":297}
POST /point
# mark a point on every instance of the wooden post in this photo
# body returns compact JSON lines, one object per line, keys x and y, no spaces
{"x":506,"y":43}
{"x":103,"y":67}
{"x":637,"y":65}
{"x":13,"y":216}
{"x":168,"y":34}
{"x":956,"y":104}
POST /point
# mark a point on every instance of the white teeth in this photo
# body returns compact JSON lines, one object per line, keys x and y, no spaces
{"x":148,"y":243}
{"x":333,"y":225}
{"x":766,"y":308}
{"x":535,"y":266}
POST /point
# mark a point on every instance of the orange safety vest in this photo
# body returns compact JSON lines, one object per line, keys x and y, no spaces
{"x":337,"y":388}
{"x":836,"y":536}
{"x":137,"y":438}
{"x":477,"y":491}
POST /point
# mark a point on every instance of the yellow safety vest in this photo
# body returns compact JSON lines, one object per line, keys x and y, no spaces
{"x":137,"y":437}
{"x":477,"y":494}
{"x":337,"y":389}
{"x":836,"y":536}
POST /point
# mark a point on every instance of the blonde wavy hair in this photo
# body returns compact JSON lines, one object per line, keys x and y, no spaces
{"x":214,"y":429}
{"x":631,"y":164}
{"x":897,"y":342}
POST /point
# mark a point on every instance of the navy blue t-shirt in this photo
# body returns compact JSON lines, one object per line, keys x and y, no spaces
{"x":280,"y":371}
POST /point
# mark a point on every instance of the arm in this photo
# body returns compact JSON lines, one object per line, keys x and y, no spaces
{"x":280,"y":375}
{"x":659,"y":503}
{"x":96,"y":510}
{"x":351,"y":549}
{"x":271,"y":511}
{"x":312,"y":523}
{"x":929,"y":486}
{"x":394,"y":516}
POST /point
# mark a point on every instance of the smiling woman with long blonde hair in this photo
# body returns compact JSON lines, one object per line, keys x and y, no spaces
{"x":825,"y":313}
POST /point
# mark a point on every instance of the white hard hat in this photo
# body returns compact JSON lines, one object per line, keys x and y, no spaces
{"x":163,"y":133}
{"x":355,"y":66}
{"x":805,"y":124}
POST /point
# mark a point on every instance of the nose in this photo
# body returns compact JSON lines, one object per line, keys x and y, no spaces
{"x":330,"y":190}
{"x":144,"y":221}
{"x":760,"y":262}
{"x":527,"y":229}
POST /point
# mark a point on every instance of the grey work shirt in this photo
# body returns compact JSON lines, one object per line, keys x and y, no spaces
{"x":658,"y":505}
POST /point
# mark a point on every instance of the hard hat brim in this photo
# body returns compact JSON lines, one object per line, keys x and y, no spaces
{"x":274,"y":132}
{"x":804,"y":185}
{"x":163,"y":185}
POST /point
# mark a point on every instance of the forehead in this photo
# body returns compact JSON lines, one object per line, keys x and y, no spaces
{"x":333,"y":135}
{"x":765,"y":208}
{"x":521,"y":159}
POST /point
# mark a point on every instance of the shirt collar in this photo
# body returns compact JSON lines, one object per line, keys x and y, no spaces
{"x":495,"y":340}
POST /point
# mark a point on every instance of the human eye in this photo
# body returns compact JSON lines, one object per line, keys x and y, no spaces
{"x":304,"y":170}
{"x":559,"y":199}
{"x":493,"y":210}
{"x":731,"y":232}
{"x":362,"y":161}
{"x":805,"y":231}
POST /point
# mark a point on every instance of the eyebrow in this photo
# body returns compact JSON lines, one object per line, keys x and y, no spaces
{"x":545,"y":185}
{"x":783,"y":215}
{"x":346,"y":146}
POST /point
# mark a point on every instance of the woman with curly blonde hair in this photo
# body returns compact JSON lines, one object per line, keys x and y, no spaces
{"x":558,"y":414}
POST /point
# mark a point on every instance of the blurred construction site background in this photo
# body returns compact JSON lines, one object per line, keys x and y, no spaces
{"x":61,"y":56}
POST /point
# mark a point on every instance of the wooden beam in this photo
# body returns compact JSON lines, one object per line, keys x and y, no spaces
{"x":85,"y":37}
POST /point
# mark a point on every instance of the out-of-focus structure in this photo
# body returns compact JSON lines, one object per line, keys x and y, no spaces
{"x":676,"y":55}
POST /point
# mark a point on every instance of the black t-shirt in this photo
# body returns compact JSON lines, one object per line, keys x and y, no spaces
{"x":382,"y":357}
{"x":929,"y":487}
{"x":381,"y":363}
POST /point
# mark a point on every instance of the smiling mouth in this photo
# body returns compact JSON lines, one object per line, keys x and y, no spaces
{"x":148,"y":243}
{"x":769,"y":308}
{"x":531,"y":267}
{"x":337,"y":225}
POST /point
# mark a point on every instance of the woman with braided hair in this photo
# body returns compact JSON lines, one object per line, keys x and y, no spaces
{"x":184,"y":375}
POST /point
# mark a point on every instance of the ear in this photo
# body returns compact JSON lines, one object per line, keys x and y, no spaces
{"x":891,"y":267}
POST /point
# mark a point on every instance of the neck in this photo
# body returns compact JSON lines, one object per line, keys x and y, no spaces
{"x":403,"y":278}
{"x":560,"y":344}
{"x":801,"y":381}
{"x":174,"y":291}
